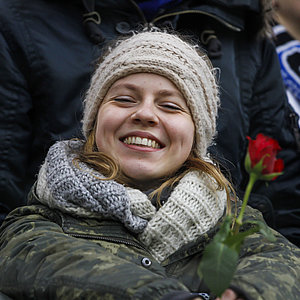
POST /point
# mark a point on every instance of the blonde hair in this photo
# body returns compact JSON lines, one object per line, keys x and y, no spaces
{"x":107,"y":166}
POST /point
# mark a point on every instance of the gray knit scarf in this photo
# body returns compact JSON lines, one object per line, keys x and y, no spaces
{"x":194,"y":206}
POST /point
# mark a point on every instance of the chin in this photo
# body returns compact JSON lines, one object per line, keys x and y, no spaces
{"x":140,"y":172}
{"x":146,"y":175}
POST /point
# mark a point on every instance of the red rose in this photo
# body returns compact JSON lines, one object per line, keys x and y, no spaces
{"x":262,"y":157}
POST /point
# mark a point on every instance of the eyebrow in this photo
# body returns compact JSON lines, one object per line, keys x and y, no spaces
{"x":170,"y":93}
{"x":128,"y":86}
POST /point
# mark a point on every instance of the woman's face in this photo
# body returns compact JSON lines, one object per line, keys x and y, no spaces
{"x":145,"y":124}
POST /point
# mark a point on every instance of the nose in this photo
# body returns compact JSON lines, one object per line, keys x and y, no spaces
{"x":145,"y":114}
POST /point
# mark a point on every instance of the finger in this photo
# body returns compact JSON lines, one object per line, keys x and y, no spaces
{"x":229,"y":295}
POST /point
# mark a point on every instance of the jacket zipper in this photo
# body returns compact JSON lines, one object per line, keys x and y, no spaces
{"x":108,"y":239}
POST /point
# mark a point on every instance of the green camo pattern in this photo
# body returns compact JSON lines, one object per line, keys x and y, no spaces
{"x":45,"y":254}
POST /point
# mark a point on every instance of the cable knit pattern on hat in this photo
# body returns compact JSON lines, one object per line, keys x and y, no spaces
{"x":167,"y":55}
{"x":194,"y":206}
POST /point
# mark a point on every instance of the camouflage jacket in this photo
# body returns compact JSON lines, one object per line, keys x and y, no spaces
{"x":45,"y":254}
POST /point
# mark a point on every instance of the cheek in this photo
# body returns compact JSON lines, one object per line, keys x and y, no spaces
{"x":181,"y":133}
{"x":184,"y":132}
{"x":104,"y":129}
{"x":99,"y":136}
{"x":189,"y":139}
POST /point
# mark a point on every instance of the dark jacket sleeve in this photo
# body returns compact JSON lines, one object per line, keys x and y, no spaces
{"x":272,"y":115}
{"x":15,"y":124}
{"x":40,"y":261}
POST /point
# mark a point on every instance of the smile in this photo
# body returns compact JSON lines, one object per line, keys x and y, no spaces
{"x":136,"y":140}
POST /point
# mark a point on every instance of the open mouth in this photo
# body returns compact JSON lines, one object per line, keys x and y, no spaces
{"x":139,"y":141}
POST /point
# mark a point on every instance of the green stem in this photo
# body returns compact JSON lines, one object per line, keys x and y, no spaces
{"x":252,"y":180}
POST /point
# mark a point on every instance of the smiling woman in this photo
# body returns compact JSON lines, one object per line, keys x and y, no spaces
{"x":126,"y":212}
{"x":152,"y":89}
{"x":144,"y":124}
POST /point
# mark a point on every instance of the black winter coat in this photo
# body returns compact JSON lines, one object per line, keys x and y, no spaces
{"x":47,"y":57}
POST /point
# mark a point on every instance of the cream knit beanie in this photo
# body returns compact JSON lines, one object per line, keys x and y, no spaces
{"x":167,"y":55}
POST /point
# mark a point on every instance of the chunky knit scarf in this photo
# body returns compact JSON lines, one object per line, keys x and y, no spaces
{"x":194,"y":206}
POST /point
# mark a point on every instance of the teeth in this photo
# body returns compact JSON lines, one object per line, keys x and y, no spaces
{"x":145,"y":141}
{"x":141,"y":141}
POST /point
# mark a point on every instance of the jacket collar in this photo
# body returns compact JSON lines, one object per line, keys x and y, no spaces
{"x":89,"y":228}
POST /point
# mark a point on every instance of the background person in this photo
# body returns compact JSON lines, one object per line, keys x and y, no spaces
{"x":287,"y":40}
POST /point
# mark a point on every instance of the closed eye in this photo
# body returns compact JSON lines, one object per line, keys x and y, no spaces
{"x":123,"y":100}
{"x":171,"y":106}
